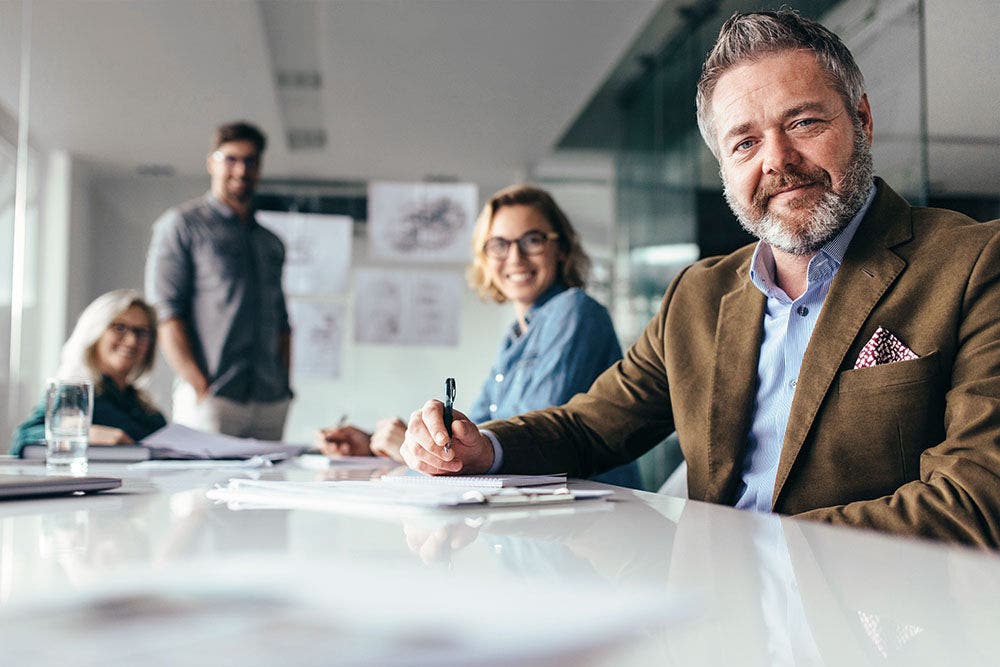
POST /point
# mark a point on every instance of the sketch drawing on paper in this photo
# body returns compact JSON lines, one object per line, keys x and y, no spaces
{"x":421,"y":221}
{"x":427,"y":225}
{"x":411,"y":308}
{"x":379,"y":309}
{"x":317,"y":250}
{"x":318,"y":340}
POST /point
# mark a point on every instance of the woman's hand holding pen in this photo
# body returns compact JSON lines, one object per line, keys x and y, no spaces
{"x":343,"y":441}
{"x":426,"y":450}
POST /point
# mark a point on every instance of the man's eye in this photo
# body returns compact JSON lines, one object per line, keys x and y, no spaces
{"x":744,"y":145}
{"x":805,"y":122}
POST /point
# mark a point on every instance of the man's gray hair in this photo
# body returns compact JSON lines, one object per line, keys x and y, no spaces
{"x":746,"y":38}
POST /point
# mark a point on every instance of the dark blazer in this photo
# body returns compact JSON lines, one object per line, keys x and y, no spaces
{"x":911,"y":447}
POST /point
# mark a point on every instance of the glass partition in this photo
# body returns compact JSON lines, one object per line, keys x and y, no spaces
{"x":11,"y":211}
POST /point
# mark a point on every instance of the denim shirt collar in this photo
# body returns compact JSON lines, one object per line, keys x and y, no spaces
{"x":554,"y":289}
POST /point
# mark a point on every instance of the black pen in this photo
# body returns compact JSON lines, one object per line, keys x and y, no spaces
{"x":449,"y":405}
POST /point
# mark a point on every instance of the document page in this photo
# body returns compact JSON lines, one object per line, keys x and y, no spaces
{"x":475,"y":481}
{"x":176,"y":441}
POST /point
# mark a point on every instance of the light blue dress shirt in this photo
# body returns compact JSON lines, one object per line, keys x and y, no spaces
{"x":788,"y":326}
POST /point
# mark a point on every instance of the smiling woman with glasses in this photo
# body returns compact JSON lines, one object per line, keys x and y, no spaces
{"x":525,"y":252}
{"x":113,"y":344}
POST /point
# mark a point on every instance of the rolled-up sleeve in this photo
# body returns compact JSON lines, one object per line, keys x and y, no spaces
{"x":169,"y":268}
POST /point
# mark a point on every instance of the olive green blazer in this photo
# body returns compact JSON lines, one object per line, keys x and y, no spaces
{"x":911,"y":447}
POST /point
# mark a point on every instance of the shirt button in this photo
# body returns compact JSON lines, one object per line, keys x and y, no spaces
{"x":493,"y":407}
{"x":498,"y":377}
{"x":802,"y":310}
{"x":793,"y":383}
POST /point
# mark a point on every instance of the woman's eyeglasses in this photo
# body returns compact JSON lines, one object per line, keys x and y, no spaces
{"x":141,"y":334}
{"x":530,"y":243}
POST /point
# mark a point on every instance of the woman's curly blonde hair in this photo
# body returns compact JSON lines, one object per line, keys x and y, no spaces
{"x":574,"y":264}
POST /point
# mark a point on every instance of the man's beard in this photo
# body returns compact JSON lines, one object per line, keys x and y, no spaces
{"x":242,"y":193}
{"x":829,"y":215}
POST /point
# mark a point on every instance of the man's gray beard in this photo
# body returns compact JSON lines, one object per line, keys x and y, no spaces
{"x":830,"y":215}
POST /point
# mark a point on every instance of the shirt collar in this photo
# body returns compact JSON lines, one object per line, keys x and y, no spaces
{"x":556,"y":288}
{"x":822,"y":267}
{"x":223,"y":209}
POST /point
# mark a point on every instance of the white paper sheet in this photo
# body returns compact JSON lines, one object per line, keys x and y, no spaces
{"x":407,"y":307}
{"x":317,"y":338}
{"x":377,"y":498}
{"x":423,"y":222}
{"x":184,"y":442}
{"x":317,"y":250}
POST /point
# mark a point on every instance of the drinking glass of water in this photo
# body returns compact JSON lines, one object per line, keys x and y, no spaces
{"x":69,"y":406}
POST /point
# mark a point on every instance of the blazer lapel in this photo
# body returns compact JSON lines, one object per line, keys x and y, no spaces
{"x":868,"y":269}
{"x":734,"y":381}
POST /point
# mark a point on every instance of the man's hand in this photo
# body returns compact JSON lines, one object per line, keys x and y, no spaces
{"x":435,"y":544}
{"x":425,"y":447}
{"x":388,"y":438}
{"x":106,"y":435}
{"x":343,"y":441}
{"x":201,"y":390}
{"x":176,"y":346}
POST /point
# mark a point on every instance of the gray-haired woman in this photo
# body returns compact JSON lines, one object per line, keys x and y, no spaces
{"x":113,"y":344}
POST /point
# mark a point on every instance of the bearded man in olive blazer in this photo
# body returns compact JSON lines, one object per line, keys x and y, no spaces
{"x":846,"y":368}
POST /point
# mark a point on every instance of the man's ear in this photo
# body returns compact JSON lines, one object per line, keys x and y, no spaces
{"x":865,"y":114}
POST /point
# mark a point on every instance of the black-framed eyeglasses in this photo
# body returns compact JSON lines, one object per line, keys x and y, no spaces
{"x":529,"y":243}
{"x":249,"y":162}
{"x":142,"y":334}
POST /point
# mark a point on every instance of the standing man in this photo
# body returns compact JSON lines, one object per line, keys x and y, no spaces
{"x":214,"y":276}
{"x":845,"y":368}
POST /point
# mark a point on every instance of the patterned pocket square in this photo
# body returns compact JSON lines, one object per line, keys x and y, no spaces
{"x":883,"y":348}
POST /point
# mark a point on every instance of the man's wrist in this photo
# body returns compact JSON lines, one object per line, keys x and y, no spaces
{"x":497,"y":451}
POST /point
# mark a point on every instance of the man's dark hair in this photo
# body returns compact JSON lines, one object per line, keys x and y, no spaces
{"x":240,"y":131}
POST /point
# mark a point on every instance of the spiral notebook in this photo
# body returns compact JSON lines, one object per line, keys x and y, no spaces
{"x":475,"y":481}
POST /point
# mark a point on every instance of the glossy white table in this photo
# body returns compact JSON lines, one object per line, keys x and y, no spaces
{"x":739,"y":588}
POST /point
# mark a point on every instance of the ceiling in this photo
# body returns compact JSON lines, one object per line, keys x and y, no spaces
{"x":475,"y":90}
{"x":478,"y":90}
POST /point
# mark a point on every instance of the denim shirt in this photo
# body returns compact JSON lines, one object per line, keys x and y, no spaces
{"x":569,"y":342}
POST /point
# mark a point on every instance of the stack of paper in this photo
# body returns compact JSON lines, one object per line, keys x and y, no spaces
{"x":174,"y":441}
{"x":474,"y":481}
{"x":376,"y":496}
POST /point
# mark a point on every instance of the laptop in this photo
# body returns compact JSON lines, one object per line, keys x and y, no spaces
{"x":35,"y":486}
